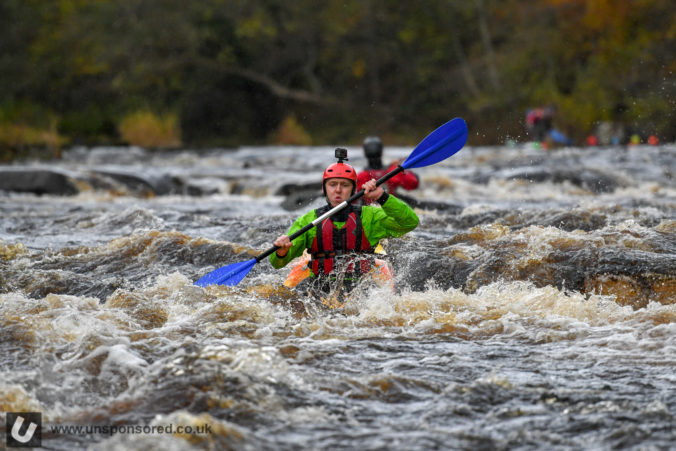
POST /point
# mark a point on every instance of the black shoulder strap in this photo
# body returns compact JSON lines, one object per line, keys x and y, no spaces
{"x":358,"y":232}
{"x":321,"y":210}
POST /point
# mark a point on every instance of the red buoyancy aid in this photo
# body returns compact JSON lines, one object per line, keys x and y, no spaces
{"x":407,"y":180}
{"x":330,"y":242}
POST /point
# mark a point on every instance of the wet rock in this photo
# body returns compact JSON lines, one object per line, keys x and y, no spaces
{"x":589,"y":179}
{"x":468,"y":221}
{"x":144,"y":185}
{"x":298,"y":195}
{"x":203,"y":187}
{"x":634,"y":277}
{"x":61,"y":183}
{"x":418,"y":270}
{"x":488,"y":269}
{"x":446,"y":207}
{"x":292,"y":188}
{"x":633,"y":262}
{"x":37,"y":181}
{"x":299,"y":199}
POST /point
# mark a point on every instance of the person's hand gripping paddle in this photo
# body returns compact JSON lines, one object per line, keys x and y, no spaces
{"x":437,"y":146}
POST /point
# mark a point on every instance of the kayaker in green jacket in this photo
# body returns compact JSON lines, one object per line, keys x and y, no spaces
{"x":342,"y":246}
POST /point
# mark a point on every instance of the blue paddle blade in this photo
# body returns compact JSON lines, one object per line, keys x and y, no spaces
{"x":229,"y":275}
{"x":438,"y":145}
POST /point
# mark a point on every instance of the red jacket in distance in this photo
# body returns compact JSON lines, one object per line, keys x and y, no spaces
{"x":407,"y":180}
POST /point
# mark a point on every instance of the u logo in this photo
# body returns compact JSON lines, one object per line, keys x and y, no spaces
{"x":31,"y":435}
{"x":26,"y":436}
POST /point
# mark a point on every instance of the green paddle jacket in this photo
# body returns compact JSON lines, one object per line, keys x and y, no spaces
{"x":393,"y":219}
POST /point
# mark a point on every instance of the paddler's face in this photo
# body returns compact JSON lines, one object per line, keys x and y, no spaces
{"x":338,"y":190}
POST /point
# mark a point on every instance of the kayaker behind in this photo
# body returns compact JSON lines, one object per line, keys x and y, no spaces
{"x":342,"y":246}
{"x":373,"y":151}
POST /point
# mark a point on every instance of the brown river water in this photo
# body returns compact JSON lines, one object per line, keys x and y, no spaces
{"x":535,"y":305}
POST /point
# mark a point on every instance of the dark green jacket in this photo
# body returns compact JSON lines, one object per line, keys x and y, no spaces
{"x":393,"y":219}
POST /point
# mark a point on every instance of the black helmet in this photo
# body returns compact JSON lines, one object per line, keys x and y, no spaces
{"x":373,"y":147}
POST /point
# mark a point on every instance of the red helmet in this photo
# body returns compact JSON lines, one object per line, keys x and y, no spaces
{"x":340,"y":170}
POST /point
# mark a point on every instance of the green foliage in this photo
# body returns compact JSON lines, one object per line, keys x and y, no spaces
{"x":26,"y":126}
{"x":235,"y":70}
{"x":18,"y":139}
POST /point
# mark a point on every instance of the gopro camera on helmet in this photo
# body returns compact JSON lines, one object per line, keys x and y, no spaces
{"x":341,"y":154}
